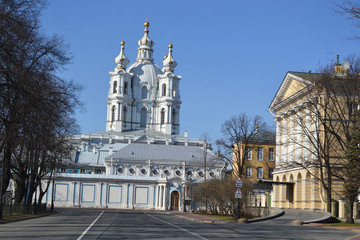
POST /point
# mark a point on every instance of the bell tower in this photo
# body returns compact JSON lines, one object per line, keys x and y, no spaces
{"x":143,"y":96}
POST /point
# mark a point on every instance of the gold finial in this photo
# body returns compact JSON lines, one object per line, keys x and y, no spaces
{"x":122,"y":43}
{"x":147,"y":24}
{"x":170,"y":45}
{"x":165,"y":57}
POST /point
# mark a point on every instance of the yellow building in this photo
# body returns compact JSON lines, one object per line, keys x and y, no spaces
{"x":258,"y":164}
{"x":259,"y":160}
{"x":300,"y":115}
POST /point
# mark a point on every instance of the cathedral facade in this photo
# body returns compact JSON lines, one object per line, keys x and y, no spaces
{"x":139,"y":161}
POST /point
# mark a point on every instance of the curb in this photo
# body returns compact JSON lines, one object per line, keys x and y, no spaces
{"x":326,"y":218}
{"x":272,"y":216}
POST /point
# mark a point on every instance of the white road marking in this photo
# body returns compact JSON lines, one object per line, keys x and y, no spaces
{"x":83,"y":234}
{"x":177,"y":227}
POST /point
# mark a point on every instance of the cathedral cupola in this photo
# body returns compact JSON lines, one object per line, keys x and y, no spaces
{"x":145,"y":50}
{"x":169,"y":63}
{"x":121,"y":60}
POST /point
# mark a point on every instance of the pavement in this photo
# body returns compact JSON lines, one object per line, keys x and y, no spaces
{"x":199,"y":218}
{"x":289,"y":217}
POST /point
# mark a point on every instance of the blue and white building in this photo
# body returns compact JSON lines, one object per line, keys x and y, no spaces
{"x":140,"y":160}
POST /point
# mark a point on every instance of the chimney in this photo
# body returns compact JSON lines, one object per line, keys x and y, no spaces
{"x":186,"y":134}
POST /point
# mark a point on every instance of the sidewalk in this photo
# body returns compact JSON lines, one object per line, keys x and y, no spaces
{"x":199,"y":218}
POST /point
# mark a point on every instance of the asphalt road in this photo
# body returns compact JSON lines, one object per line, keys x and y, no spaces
{"x":113,"y":224}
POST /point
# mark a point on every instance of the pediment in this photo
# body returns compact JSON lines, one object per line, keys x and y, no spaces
{"x":291,"y":86}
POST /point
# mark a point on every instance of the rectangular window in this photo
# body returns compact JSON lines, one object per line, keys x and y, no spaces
{"x":260,"y":153}
{"x":82,"y":170}
{"x":248,"y":153}
{"x":271,"y":173}
{"x":259,"y":172}
{"x":353,"y":107}
{"x":248,"y":172}
{"x":271,"y":154}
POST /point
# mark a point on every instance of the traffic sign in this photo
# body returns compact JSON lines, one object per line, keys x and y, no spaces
{"x":238,"y":183}
{"x":238,"y":193}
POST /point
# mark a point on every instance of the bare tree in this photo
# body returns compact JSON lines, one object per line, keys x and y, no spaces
{"x":36,"y":106}
{"x":350,"y":9}
{"x":321,"y":130}
{"x":240,"y":134}
{"x":217,"y":195}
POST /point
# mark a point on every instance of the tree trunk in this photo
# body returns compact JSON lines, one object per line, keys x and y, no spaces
{"x":6,"y":168}
{"x":350,"y":211}
{"x":20,"y":191}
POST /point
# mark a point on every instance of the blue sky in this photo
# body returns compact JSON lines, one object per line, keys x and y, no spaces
{"x":232,"y":55}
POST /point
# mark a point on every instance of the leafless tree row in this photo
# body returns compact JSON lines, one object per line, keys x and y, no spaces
{"x":36,"y":106}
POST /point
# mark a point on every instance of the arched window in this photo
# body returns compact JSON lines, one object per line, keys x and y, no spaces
{"x":113,"y":110}
{"x":126,"y":88}
{"x":173,"y":116}
{"x":124,"y":114}
{"x":162,"y":116}
{"x":164,"y":90}
{"x":174,"y":90}
{"x":144,"y":92}
{"x":115,"y":87}
{"x":143,"y":117}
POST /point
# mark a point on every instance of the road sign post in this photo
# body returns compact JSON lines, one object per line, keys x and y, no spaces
{"x":238,"y":195}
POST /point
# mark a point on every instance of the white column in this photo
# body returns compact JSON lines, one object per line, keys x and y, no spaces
{"x":278,"y":143}
{"x":291,"y":140}
{"x":299,"y":137}
{"x":284,"y":141}
{"x":158,"y":197}
{"x":307,"y":134}
{"x":164,"y":197}
{"x":120,"y":112}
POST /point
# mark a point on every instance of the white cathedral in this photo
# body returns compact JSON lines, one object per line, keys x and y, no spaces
{"x":140,"y":161}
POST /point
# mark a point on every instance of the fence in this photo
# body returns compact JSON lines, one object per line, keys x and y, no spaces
{"x":23,"y":209}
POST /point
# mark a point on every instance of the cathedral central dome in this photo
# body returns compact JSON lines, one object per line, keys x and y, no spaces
{"x":145,"y":72}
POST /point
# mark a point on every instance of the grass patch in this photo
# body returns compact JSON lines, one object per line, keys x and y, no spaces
{"x":345,"y":224}
{"x":222,"y":217}
{"x":21,"y":216}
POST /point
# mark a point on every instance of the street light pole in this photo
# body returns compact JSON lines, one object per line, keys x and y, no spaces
{"x":1,"y":190}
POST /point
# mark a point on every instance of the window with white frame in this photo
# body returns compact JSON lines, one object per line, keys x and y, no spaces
{"x":248,"y":152}
{"x":162,"y":117}
{"x":271,"y":154}
{"x":260,"y":154}
{"x":163,"y":90}
{"x":125,"y":88}
{"x":259,"y":171}
{"x":248,"y":172}
{"x":115,"y":87}
{"x":144,"y":92}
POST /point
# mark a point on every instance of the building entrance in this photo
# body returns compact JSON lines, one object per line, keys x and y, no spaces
{"x":175,"y":201}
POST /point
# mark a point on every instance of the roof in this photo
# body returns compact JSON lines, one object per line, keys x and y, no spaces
{"x":97,"y":157}
{"x":264,"y":137}
{"x":164,"y":153}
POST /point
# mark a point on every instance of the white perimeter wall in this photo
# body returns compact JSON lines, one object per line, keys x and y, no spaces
{"x":105,"y":195}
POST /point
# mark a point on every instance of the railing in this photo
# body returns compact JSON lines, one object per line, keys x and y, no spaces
{"x":23,"y":209}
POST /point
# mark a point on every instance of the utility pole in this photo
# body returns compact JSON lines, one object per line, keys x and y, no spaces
{"x":1,"y":190}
